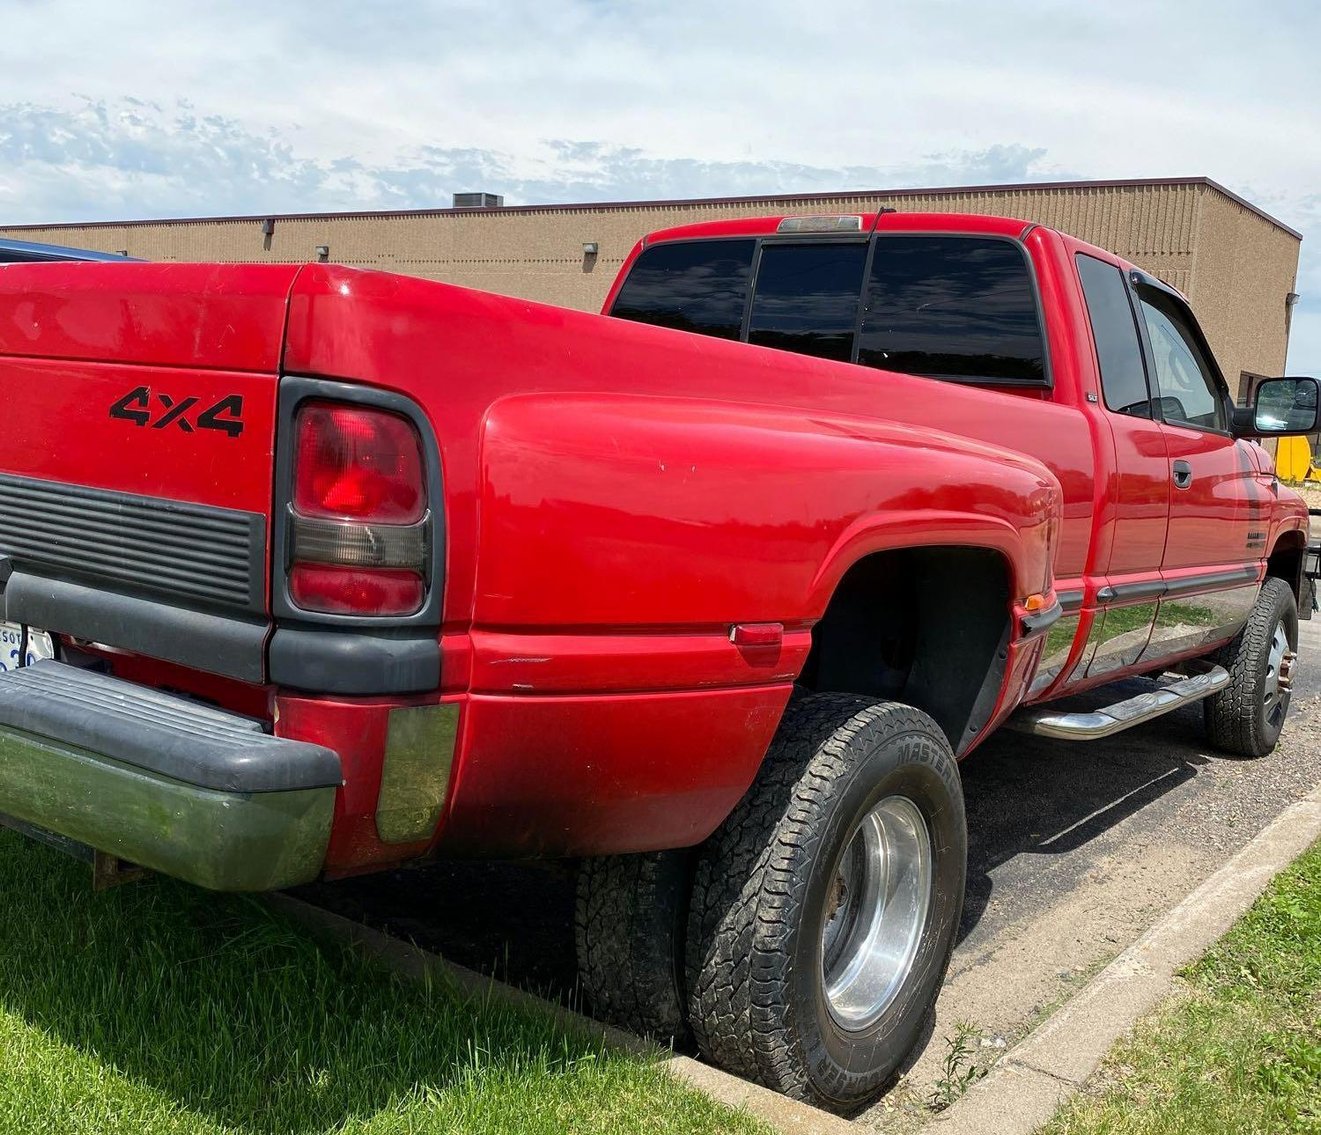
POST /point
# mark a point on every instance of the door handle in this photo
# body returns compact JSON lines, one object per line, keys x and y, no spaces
{"x":1183,"y":474}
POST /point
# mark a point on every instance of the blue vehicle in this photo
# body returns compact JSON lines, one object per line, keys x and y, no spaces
{"x":25,"y":252}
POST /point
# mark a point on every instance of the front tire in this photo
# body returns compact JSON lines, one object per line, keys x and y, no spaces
{"x":824,"y":909}
{"x":1245,"y":718}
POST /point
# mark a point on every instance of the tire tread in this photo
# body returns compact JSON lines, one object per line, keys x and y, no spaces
{"x":746,"y":893}
{"x":1233,"y":717}
{"x":628,"y":926}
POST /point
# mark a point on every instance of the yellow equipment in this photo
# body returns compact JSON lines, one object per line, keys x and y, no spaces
{"x":1293,"y":460}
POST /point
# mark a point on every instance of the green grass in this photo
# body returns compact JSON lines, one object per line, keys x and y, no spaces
{"x":160,"y":1008}
{"x":1241,"y":1052}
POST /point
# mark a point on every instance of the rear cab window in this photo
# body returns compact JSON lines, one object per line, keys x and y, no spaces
{"x":959,"y":308}
{"x":806,"y":300}
{"x":699,"y":285}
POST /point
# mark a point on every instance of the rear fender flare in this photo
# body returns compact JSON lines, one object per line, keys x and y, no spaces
{"x":1026,"y":559}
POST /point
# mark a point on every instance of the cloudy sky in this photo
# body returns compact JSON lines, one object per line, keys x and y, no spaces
{"x":118,"y":110}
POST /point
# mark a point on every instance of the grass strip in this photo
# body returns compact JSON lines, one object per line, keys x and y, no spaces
{"x":1240,"y":1051}
{"x":158,"y":1007}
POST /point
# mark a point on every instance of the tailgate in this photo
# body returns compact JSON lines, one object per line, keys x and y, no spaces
{"x":136,"y":458}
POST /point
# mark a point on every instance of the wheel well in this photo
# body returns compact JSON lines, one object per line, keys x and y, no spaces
{"x":1286,"y":561}
{"x":923,"y":626}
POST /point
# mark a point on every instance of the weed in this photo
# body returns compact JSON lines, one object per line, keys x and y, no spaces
{"x":960,"y":1069}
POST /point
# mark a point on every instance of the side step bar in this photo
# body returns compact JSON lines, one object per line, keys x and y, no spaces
{"x":1122,"y":715}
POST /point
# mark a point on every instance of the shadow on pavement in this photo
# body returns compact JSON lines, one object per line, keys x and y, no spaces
{"x":1036,"y":796}
{"x":513,"y":921}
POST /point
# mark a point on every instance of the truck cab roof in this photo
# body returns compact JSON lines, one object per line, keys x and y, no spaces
{"x":842,"y":224}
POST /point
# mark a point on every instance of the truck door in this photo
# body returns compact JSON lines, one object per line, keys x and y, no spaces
{"x":1217,"y":531}
{"x":1137,"y":501}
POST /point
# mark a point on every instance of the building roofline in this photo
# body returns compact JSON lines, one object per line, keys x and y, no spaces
{"x":611,"y":206}
{"x":1248,"y":205}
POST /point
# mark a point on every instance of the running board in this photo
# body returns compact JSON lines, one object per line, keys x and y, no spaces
{"x":1122,"y":715}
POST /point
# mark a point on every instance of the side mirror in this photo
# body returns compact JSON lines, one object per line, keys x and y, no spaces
{"x":1281,"y":407}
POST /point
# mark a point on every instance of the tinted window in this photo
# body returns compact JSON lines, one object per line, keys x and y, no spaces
{"x":1118,"y":348}
{"x":696,"y":286}
{"x":1185,"y":380}
{"x":952,"y":307}
{"x":806,"y":299}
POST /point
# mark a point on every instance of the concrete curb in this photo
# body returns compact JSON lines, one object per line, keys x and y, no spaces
{"x":1026,"y":1088}
{"x":784,"y":1115}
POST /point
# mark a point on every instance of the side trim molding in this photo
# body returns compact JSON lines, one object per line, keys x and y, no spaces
{"x":1131,"y":592}
{"x":1155,"y":588}
{"x":1213,"y":581}
{"x":1039,"y":622}
{"x":1070,"y":601}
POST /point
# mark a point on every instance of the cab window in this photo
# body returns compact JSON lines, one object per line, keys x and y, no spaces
{"x":806,"y":298}
{"x":699,"y":285}
{"x":1115,"y":331}
{"x":1185,"y":377}
{"x":953,"y":307}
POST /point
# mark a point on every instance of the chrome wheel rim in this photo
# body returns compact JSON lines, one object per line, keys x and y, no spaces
{"x":875,"y":910}
{"x":1280,"y":665}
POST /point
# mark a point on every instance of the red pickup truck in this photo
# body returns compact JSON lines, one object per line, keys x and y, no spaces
{"x":310,"y":571}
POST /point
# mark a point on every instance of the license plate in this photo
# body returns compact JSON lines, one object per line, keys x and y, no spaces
{"x":22,"y":646}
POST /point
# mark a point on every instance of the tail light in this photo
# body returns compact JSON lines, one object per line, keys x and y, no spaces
{"x":359,"y":513}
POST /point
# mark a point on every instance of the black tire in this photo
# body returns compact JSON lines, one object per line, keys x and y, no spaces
{"x":757,"y":1004}
{"x":1241,"y":719}
{"x":629,"y":927}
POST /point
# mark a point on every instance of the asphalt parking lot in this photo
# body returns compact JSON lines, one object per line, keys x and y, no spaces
{"x":1074,"y":851}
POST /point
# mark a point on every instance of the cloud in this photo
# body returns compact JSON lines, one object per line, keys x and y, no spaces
{"x":771,"y":81}
{"x":593,"y":171}
{"x":133,"y":158}
{"x":221,"y":106}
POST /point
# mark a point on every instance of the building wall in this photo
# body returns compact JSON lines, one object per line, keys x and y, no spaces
{"x":1234,"y":264}
{"x":1245,"y":268}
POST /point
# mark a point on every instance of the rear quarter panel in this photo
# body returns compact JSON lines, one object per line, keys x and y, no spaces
{"x":617,"y":495}
{"x":629,"y":511}
{"x":620,"y":537}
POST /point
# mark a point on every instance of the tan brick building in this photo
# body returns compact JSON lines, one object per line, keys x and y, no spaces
{"x":1236,"y":264}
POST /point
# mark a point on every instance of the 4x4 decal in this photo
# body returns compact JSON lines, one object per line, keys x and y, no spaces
{"x":225,"y":416}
